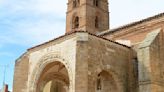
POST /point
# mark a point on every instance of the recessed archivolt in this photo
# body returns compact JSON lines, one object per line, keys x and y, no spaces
{"x":45,"y":60}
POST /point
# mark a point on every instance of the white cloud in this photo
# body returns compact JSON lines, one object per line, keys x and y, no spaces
{"x":1,"y":2}
{"x":28,"y":30}
{"x":33,"y":34}
{"x":50,"y":6}
{"x":38,"y":6}
{"x":127,"y":11}
{"x":41,"y":32}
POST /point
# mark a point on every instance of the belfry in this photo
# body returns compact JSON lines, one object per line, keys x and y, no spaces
{"x":87,"y":15}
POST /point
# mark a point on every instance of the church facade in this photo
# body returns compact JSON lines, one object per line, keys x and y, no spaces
{"x":91,"y":57}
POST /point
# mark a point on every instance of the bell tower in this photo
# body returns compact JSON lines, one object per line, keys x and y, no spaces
{"x":87,"y":15}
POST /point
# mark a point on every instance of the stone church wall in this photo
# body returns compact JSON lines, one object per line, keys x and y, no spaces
{"x":29,"y":67}
{"x":97,"y":55}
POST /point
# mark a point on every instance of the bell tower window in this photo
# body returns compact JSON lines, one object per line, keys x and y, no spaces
{"x":76,"y":22}
{"x":96,"y":3}
{"x":76,"y":3}
{"x":96,"y":22}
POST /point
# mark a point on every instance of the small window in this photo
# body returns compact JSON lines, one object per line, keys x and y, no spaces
{"x":76,"y":3}
{"x":96,"y":22}
{"x":76,"y":22}
{"x":99,"y":82}
{"x":135,"y":67}
{"x":96,"y":2}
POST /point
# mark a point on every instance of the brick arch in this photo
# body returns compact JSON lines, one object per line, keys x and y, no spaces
{"x":115,"y":76}
{"x":43,"y":62}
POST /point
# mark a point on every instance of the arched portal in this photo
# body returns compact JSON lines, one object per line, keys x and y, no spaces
{"x":54,"y":78}
{"x":106,"y":83}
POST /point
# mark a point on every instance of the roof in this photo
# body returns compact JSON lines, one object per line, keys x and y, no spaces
{"x":77,"y":31}
{"x":132,"y":24}
{"x":72,"y":32}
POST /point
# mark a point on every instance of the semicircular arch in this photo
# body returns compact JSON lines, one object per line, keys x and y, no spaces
{"x":115,"y":76}
{"x":42,"y":63}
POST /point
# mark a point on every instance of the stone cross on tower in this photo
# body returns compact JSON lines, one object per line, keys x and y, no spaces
{"x":87,"y":15}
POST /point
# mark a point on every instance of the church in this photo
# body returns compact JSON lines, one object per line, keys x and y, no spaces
{"x":91,"y":57}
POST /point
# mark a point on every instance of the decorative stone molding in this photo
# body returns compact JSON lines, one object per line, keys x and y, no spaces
{"x":45,"y":60}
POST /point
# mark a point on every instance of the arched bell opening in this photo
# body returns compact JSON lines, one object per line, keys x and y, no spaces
{"x":96,"y":3}
{"x":54,"y":78}
{"x":76,"y":3}
{"x":106,"y":83}
{"x":75,"y":22}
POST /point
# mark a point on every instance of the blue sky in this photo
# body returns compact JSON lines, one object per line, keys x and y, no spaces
{"x":25,"y":23}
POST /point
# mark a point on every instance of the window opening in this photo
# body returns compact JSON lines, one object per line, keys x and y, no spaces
{"x":96,"y":22}
{"x":96,"y":2}
{"x":76,"y":3}
{"x":76,"y":22}
{"x":99,"y":82}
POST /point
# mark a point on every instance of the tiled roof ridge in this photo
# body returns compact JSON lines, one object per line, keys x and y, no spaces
{"x":78,"y":31}
{"x":132,"y":24}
